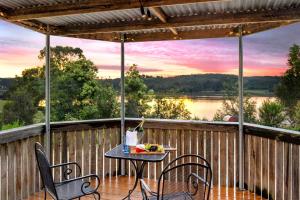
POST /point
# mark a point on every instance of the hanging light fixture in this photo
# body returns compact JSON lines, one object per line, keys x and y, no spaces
{"x":143,"y":12}
{"x":149,"y":17}
{"x":142,"y":9}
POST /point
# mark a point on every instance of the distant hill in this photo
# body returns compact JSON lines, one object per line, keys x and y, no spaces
{"x":191,"y":85}
{"x":205,"y":84}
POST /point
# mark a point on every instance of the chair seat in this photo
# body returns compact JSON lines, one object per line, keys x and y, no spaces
{"x":71,"y":190}
{"x":174,"y":196}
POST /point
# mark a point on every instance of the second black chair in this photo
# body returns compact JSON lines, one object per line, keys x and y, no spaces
{"x":186,"y":177}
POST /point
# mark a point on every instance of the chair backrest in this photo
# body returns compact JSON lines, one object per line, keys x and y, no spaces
{"x":187,"y":175}
{"x":45,"y":170}
{"x":37,"y":146}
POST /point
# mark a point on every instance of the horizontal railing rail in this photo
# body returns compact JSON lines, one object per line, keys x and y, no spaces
{"x":16,"y":134}
{"x":272,"y":166}
{"x":251,"y":129}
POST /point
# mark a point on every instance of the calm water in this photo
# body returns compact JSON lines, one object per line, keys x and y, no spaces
{"x":207,"y":107}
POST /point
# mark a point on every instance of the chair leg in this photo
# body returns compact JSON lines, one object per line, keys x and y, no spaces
{"x":98,"y":195}
{"x":45,"y":194}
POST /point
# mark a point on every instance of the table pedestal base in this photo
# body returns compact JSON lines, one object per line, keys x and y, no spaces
{"x":139,"y":169}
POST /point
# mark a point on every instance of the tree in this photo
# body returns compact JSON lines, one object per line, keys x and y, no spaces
{"x":19,"y":108}
{"x":288,"y":90}
{"x":271,"y":113}
{"x":297,"y":116}
{"x":168,"y":109}
{"x":75,"y":91}
{"x":230,"y":105}
{"x":24,"y":97}
{"x":137,"y":93}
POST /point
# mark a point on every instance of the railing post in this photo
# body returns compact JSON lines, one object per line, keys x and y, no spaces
{"x":122,"y":99}
{"x":64,"y":152}
{"x":241,"y":111}
{"x":47,"y":139}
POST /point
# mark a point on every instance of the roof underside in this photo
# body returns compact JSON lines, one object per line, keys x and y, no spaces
{"x":171,"y":19}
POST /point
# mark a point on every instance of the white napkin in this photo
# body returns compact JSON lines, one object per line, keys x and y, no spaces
{"x":131,"y":138}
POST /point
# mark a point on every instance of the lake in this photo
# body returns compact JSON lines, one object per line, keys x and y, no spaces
{"x":206,"y":107}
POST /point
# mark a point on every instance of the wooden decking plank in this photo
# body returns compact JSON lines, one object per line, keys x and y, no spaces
{"x":116,"y":188}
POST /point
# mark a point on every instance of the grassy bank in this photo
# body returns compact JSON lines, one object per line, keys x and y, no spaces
{"x":2,"y":102}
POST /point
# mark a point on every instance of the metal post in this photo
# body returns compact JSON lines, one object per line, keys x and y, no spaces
{"x":241,"y":111}
{"x":47,"y":97}
{"x":122,"y":99}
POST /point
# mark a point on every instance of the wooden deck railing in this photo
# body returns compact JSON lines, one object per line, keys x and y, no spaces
{"x":272,"y":162}
{"x":272,"y":156}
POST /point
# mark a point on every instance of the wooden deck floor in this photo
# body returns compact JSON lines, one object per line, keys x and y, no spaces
{"x":117,"y":187}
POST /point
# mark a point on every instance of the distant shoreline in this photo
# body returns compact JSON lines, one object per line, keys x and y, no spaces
{"x":216,"y":97}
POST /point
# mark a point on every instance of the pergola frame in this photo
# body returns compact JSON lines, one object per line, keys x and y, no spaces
{"x":53,"y":19}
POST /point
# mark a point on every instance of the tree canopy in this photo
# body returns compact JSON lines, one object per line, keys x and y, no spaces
{"x":137,"y":93}
{"x":230,"y":105}
{"x":288,"y":90}
{"x":271,"y":113}
{"x":75,"y":91}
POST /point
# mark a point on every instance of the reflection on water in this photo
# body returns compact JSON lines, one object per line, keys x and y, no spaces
{"x":207,"y":107}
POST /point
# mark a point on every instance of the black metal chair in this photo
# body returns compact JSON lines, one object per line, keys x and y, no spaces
{"x":186,"y":177}
{"x":68,"y":188}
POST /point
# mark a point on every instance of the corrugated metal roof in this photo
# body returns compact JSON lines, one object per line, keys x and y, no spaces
{"x":183,"y":29}
{"x":131,"y":15}
{"x":18,"y":4}
{"x":92,"y":18}
{"x":148,"y":31}
{"x":205,"y":27}
{"x":226,"y":6}
{"x":134,"y":14}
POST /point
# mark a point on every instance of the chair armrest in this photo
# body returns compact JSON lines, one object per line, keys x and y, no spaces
{"x":199,"y":178}
{"x":85,"y":183}
{"x":195,"y":183}
{"x":68,"y":170}
{"x":146,"y":189}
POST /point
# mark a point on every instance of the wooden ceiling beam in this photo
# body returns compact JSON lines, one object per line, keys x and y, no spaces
{"x":158,"y":12}
{"x":197,"y":34}
{"x":30,"y":24}
{"x":88,"y":6}
{"x":198,"y":20}
{"x":184,"y":35}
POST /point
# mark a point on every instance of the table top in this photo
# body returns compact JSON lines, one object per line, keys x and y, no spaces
{"x":118,"y":153}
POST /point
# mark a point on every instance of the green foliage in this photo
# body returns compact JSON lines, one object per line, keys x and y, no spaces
{"x":61,"y":55}
{"x":39,"y":117}
{"x":75,"y":92}
{"x":230,"y":105}
{"x":168,"y":109}
{"x":24,"y":96}
{"x":297,"y":116}
{"x":289,"y":88}
{"x":138,"y":97}
{"x":2,"y":103}
{"x":20,"y":108}
{"x":137,"y":94}
{"x":271,"y":113}
{"x":15,"y":124}
{"x":204,"y":84}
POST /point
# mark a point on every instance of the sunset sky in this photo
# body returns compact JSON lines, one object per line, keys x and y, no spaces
{"x":264,"y":53}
